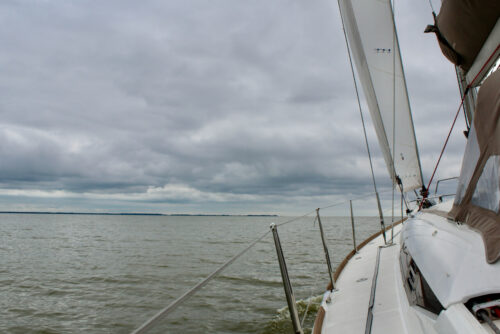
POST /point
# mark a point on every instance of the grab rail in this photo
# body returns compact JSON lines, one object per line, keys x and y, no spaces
{"x":442,"y":180}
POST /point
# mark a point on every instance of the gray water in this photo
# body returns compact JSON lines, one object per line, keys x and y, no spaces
{"x":109,"y":274}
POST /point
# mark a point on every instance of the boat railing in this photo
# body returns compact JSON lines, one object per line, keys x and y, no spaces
{"x":442,"y":180}
{"x":439,"y":197}
{"x":297,"y":325}
{"x":290,"y":297}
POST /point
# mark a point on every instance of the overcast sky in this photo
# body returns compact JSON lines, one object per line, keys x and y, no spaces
{"x":218,"y":106}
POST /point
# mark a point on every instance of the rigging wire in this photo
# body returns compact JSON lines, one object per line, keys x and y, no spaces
{"x":432,"y":7}
{"x":176,"y":303}
{"x":462,"y":92}
{"x":442,"y":151}
{"x":158,"y":317}
{"x":396,"y":178}
{"x":381,"y":216}
{"x":358,"y":99}
{"x":393,"y":6}
{"x":359,"y":103}
{"x":454,"y":121}
{"x":353,"y":199}
{"x":345,"y":202}
{"x":296,"y":218}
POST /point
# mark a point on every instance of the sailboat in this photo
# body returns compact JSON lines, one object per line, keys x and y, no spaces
{"x":440,"y":271}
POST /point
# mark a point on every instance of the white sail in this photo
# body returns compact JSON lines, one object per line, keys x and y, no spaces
{"x":370,"y":30}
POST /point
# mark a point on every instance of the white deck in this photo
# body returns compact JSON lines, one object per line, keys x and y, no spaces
{"x":347,"y":312}
{"x":347,"y":308}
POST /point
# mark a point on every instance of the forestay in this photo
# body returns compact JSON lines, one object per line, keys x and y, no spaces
{"x":373,"y":40}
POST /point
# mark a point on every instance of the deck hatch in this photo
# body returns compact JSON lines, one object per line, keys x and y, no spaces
{"x":417,"y":290}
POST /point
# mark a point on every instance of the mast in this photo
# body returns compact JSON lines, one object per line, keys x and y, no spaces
{"x":470,"y":96}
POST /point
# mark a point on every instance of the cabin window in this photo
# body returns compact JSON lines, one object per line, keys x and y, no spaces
{"x":469,"y":163}
{"x":416,"y":287}
{"x":487,"y":192}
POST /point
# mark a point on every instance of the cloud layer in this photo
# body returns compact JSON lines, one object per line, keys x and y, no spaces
{"x":195,"y":106}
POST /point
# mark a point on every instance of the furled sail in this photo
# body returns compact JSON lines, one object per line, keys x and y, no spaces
{"x":373,"y":40}
{"x":462,"y":28}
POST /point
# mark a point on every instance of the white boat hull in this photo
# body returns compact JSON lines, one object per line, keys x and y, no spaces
{"x":347,"y":308}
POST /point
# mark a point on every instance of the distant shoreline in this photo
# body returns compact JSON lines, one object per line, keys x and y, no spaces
{"x":129,"y":214}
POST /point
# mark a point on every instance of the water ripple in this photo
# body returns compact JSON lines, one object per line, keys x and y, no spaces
{"x":108,"y":274}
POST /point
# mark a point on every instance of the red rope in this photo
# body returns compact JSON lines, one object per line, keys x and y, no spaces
{"x":484,"y":65}
{"x":442,"y":151}
{"x":453,"y":124}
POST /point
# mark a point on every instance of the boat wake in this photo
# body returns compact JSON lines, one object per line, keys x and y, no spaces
{"x":281,"y":322}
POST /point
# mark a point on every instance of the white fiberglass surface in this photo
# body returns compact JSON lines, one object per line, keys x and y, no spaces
{"x":451,"y":257}
{"x":392,"y":314}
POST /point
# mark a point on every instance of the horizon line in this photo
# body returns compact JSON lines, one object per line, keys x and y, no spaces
{"x":134,"y":214}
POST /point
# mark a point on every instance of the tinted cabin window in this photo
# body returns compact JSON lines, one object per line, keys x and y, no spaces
{"x":471,"y":156}
{"x":417,"y":290}
{"x":487,"y":192}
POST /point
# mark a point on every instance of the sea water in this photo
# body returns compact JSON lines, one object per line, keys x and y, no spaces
{"x":108,"y":274}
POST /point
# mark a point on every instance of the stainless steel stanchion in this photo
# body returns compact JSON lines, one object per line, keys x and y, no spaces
{"x":290,"y":299}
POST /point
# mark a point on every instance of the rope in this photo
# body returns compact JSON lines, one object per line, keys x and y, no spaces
{"x":176,"y":303}
{"x":483,"y":67}
{"x":432,"y":7}
{"x":455,"y":120}
{"x":442,"y":151}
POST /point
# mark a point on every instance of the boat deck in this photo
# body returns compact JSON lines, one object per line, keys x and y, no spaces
{"x":370,"y":296}
{"x":348,"y":310}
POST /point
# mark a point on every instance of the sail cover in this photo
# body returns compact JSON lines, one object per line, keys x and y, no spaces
{"x":370,"y":30}
{"x":463,"y":26}
{"x":477,"y":202}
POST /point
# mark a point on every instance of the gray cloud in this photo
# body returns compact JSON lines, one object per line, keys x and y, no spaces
{"x":189,"y":105}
